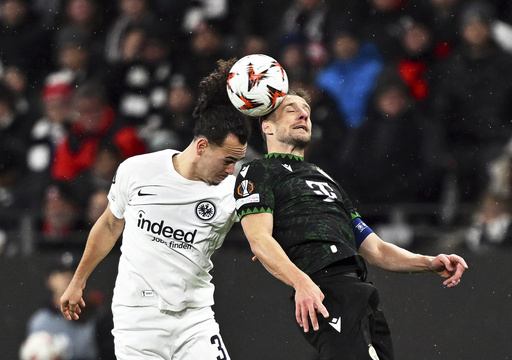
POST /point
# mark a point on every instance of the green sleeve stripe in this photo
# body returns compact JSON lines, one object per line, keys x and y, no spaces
{"x":255,"y":211}
{"x":354,"y":215}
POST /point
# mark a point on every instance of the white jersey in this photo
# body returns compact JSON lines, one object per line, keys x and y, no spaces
{"x":172,"y":227}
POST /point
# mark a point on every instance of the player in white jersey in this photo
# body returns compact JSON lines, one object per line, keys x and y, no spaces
{"x":174,"y":210}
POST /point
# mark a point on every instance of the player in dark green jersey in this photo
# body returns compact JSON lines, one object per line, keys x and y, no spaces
{"x":303,"y":228}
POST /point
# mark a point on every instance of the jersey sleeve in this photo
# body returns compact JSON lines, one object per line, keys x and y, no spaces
{"x":361,"y":230}
{"x":118,"y":194}
{"x":254,"y":190}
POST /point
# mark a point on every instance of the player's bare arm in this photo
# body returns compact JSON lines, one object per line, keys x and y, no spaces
{"x":390,"y":257}
{"x":100,"y":242}
{"x":308,"y":296}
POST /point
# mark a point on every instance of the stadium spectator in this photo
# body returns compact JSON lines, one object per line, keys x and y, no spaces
{"x":94,"y":123}
{"x":75,"y":58}
{"x":46,"y":134}
{"x":253,"y":19}
{"x":139,"y":84}
{"x":205,"y":45}
{"x":472,"y":100}
{"x":48,"y":131}
{"x":61,"y":224}
{"x":13,"y":126}
{"x":205,"y":11}
{"x":23,"y":40}
{"x":491,"y":226}
{"x":500,"y":171}
{"x":47,"y":11}
{"x":15,"y":199}
{"x":88,"y":338}
{"x":307,"y":21}
{"x":381,"y":25}
{"x":25,"y":96}
{"x":175,"y":125}
{"x":416,"y":62}
{"x":350,"y":78}
{"x":87,"y":15}
{"x":131,"y":13}
{"x":443,"y":15}
{"x":292,"y":56}
{"x":99,"y":176}
{"x":398,"y":144}
{"x":254,"y":44}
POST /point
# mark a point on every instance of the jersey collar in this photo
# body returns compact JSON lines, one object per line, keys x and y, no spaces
{"x":283,"y":156}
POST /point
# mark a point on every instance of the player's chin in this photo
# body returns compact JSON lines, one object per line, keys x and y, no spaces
{"x":217,"y":180}
{"x":302,"y":141}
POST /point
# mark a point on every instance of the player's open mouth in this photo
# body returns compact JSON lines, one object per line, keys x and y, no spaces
{"x":302,"y":127}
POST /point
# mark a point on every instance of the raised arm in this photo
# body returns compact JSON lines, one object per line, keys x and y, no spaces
{"x":390,"y":257}
{"x":101,"y":240}
{"x":308,"y":296}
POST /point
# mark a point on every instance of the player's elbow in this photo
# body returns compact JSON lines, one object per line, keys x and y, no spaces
{"x":372,"y":250}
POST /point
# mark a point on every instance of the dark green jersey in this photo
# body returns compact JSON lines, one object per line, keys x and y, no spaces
{"x":312,"y":213}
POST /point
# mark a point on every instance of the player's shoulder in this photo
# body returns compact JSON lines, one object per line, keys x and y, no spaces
{"x":146,"y":165}
{"x":259,"y":164}
{"x":149,"y":158}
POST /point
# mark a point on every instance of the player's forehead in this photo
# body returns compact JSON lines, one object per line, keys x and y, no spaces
{"x":294,"y":101}
{"x":232,"y":148}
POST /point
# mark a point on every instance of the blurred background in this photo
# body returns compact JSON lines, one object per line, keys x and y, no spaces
{"x":411,"y":110}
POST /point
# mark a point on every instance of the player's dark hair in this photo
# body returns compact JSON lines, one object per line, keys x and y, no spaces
{"x":215,"y":116}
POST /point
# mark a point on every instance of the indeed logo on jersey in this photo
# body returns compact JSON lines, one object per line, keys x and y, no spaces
{"x":161,"y":229}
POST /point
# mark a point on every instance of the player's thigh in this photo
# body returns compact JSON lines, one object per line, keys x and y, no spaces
{"x":334,"y":343}
{"x":349,"y":332}
{"x":202,"y":342}
{"x":137,"y":334}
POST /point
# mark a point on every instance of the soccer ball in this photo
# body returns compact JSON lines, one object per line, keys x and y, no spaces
{"x":257,"y":84}
{"x":45,"y":346}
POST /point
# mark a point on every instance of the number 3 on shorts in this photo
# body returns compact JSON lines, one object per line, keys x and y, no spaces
{"x":215,"y":340}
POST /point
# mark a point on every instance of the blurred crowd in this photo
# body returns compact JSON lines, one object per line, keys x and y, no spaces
{"x":411,"y":109}
{"x":411,"y":101}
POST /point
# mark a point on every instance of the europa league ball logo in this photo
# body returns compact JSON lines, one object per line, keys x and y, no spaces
{"x":245,"y":188}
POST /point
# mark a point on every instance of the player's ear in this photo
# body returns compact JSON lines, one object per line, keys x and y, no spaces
{"x":201,"y":145}
{"x":266,"y":127}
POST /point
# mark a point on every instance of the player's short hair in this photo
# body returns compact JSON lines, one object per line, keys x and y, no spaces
{"x":214,"y":114}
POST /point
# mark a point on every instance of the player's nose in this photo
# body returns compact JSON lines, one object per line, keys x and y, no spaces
{"x":230,"y":169}
{"x":303,"y":114}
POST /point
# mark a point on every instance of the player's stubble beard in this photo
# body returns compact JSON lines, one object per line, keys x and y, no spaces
{"x":298,"y":142}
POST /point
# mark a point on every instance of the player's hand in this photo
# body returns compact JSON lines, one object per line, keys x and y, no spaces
{"x":449,"y":266}
{"x":71,"y":303}
{"x":308,"y":302}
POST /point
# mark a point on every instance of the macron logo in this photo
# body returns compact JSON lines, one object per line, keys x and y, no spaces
{"x":336,"y":324}
{"x":243,"y":172}
{"x":287,"y":167}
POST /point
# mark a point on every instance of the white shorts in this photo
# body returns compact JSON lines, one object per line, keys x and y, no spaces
{"x":147,"y":332}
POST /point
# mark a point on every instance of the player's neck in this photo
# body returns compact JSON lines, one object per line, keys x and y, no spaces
{"x":182,"y":166}
{"x":281,"y":148}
